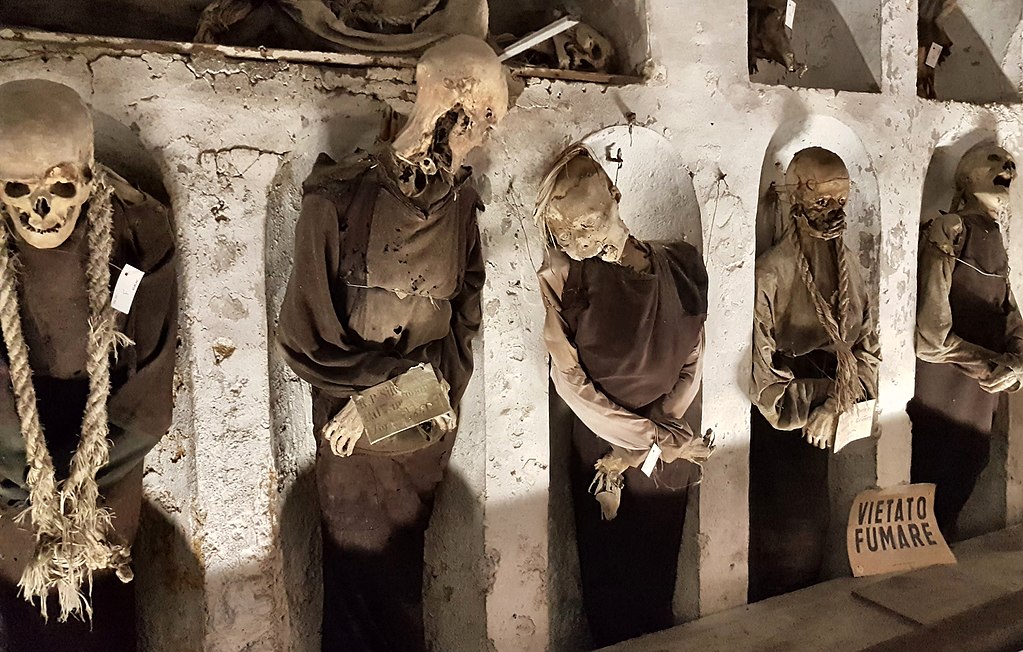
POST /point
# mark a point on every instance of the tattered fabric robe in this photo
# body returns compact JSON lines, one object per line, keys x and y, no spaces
{"x":626,"y":352}
{"x":794,"y":366}
{"x":378,"y":287}
{"x":55,"y":318}
{"x":966,"y":318}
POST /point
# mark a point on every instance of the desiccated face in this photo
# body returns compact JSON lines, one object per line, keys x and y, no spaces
{"x":818,"y":185}
{"x":462,"y":93}
{"x":46,"y":159}
{"x":986,"y":170}
{"x":582,"y":215}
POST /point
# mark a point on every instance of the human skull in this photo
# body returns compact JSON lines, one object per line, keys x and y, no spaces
{"x":817,"y":182}
{"x":985,"y":170}
{"x":583,"y":48}
{"x":461,"y":93}
{"x":46,"y":159}
{"x":581,"y":213}
{"x":769,"y":38}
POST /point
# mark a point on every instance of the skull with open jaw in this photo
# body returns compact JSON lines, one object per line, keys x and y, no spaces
{"x":46,"y":165}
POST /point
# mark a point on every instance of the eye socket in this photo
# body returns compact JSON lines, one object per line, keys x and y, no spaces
{"x":64,"y":189}
{"x":822,"y":202}
{"x":15,"y":189}
{"x":841,"y":201}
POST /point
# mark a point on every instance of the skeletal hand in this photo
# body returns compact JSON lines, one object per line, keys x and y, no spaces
{"x":344,"y":431}
{"x":1002,"y":379}
{"x":821,"y":426}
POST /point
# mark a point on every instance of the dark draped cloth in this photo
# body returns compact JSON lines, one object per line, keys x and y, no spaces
{"x":638,"y":337}
{"x":55,"y":316}
{"x":952,"y":416}
{"x":378,"y":286}
{"x":794,"y":364}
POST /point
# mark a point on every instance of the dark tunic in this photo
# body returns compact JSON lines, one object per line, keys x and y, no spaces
{"x":635,"y":333}
{"x":952,"y":416}
{"x":55,"y":316}
{"x":343,"y":328}
{"x":794,"y":366}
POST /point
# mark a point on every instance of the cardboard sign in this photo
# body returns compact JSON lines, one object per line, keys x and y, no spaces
{"x":404,"y":402}
{"x":894,"y":530}
{"x":932,"y":56}
{"x":855,"y":423}
{"x":790,"y":13}
{"x":125,"y":288}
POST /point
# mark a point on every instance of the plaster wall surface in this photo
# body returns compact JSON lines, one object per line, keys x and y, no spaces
{"x":228,"y":561}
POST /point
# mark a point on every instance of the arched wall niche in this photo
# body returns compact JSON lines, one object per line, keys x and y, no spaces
{"x":987,"y":508}
{"x":985,"y":64}
{"x":840,"y":43}
{"x":854,"y":468}
{"x":658,"y":203}
{"x":454,"y":541}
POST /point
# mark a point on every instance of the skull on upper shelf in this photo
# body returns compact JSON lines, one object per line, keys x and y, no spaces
{"x":583,"y":48}
{"x":46,"y":159}
{"x":461,"y":93}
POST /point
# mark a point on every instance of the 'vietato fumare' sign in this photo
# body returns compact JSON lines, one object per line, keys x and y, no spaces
{"x":893,"y":530}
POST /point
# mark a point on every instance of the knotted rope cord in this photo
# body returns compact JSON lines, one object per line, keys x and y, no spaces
{"x":847,"y":386}
{"x":74,"y":535}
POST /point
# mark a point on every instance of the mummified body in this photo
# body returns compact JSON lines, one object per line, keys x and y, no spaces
{"x":388,"y":273}
{"x":815,"y":353}
{"x":67,"y":222}
{"x":624,"y":328}
{"x":969,"y":333}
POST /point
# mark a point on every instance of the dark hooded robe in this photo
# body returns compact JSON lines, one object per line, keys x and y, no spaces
{"x":379,"y":285}
{"x":626,"y":351}
{"x":55,"y":319}
{"x":794,"y":366}
{"x":966,"y":319}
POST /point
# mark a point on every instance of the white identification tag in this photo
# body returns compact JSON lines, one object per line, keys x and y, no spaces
{"x":125,"y":288}
{"x":854,"y":424}
{"x":932,"y":55}
{"x":651,"y":460}
{"x":790,"y":13}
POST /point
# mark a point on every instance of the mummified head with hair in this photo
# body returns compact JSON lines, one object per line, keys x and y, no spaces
{"x":817,"y":183}
{"x":578,"y":204}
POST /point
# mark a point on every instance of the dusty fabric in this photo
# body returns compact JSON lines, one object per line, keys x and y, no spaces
{"x":631,"y":397}
{"x":332,"y":25}
{"x":378,"y":286}
{"x":966,"y":318}
{"x":630,"y":343}
{"x":794,"y":366}
{"x":22,"y":628}
{"x":55,"y":312}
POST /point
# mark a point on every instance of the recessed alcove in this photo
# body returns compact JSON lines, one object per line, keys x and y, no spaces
{"x":658,"y":203}
{"x":839,"y":41}
{"x":984,"y":63}
{"x":854,"y":468}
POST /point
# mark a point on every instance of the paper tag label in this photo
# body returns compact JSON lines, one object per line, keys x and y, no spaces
{"x":932,"y":55}
{"x":790,"y":13}
{"x":854,"y":424}
{"x":651,"y":460}
{"x":125,"y":288}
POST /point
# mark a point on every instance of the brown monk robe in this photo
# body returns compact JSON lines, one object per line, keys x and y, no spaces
{"x":794,"y":363}
{"x":638,"y":337}
{"x":343,"y":328}
{"x":55,"y":315}
{"x":952,"y":414}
